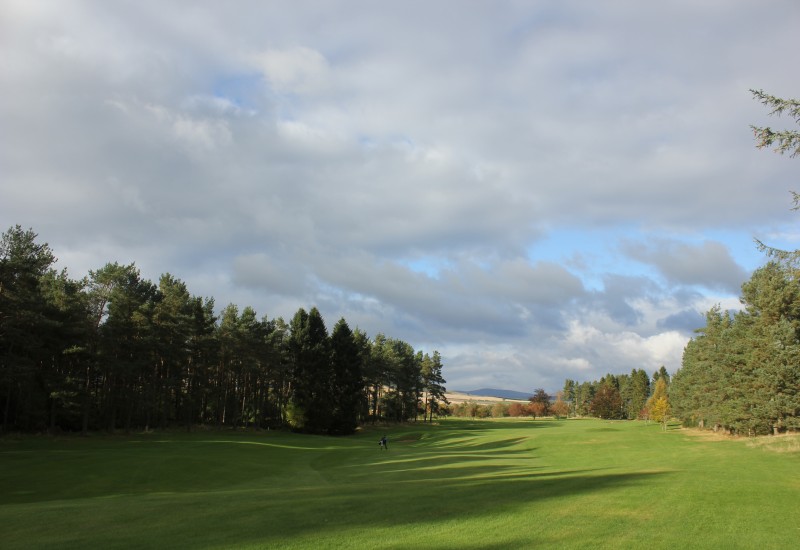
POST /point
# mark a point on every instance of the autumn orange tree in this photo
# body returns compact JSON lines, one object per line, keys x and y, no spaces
{"x":539,"y":403}
{"x":516,"y":410}
{"x":559,"y":408}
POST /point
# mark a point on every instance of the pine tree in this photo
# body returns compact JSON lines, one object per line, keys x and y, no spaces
{"x":347,"y":380}
{"x":433,"y":385}
{"x":24,"y":328}
{"x":311,"y":372}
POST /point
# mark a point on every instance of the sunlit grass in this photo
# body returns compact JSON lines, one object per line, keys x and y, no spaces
{"x":460,"y":484}
{"x":786,"y":443}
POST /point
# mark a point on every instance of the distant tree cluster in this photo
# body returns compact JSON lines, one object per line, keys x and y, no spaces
{"x":500,"y":409}
{"x":115,"y":351}
{"x":623,"y":396}
{"x":540,"y":404}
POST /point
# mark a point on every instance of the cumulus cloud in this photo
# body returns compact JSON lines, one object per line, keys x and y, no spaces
{"x":400,"y":165}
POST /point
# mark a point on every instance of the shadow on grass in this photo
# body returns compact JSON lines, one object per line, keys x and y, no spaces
{"x":460,"y":432}
{"x":273,"y":491}
{"x":499,"y":424}
{"x":78,"y":468}
{"x":462,"y":494}
{"x":318,"y":516}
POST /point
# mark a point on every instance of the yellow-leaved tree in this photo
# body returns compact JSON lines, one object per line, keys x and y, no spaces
{"x":658,"y":404}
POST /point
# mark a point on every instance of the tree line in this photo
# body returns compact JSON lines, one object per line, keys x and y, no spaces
{"x":114,"y":351}
{"x":540,"y":404}
{"x":742,"y":372}
{"x":617,"y":396}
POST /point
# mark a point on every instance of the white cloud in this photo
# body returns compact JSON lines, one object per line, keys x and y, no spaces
{"x":297,"y":70}
{"x":399,"y":170}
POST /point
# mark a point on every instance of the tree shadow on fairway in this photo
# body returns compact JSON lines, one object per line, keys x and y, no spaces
{"x":502,"y":424}
{"x":446,"y":451}
{"x":461,"y":494}
{"x":507,"y":449}
{"x":297,"y":491}
{"x":467,"y":433}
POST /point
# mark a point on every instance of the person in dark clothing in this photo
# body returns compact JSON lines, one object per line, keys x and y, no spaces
{"x":384,"y":443}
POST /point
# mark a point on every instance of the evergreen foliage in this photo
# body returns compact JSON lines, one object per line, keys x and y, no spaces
{"x":114,"y":351}
{"x":785,"y":141}
{"x":619,"y":396}
{"x":742,"y":372}
{"x":346,"y":379}
{"x":433,"y":388}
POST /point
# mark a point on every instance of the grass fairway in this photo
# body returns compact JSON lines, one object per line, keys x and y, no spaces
{"x":461,"y":484}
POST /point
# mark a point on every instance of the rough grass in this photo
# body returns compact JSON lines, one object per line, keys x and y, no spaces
{"x":785,"y":443}
{"x":461,"y":484}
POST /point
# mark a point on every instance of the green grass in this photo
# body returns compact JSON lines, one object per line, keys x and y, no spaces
{"x":462,"y":484}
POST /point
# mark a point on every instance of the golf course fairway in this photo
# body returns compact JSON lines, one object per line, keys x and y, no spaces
{"x":495,"y":484}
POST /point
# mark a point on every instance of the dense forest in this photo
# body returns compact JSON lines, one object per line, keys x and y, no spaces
{"x":114,"y":351}
{"x":742,"y":372}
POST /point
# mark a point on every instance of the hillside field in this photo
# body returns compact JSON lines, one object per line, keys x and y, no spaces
{"x":461,"y":397}
{"x":495,"y":484}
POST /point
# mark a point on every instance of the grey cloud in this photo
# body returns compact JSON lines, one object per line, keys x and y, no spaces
{"x":708,"y":264}
{"x":281,"y":155}
{"x":686,"y":321}
{"x":447,"y":304}
{"x":617,"y":295}
{"x":260,"y":272}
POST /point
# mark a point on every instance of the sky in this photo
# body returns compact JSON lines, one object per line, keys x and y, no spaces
{"x":538,"y":190}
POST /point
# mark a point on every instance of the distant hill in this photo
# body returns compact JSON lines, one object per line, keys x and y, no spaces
{"x":504,"y":394}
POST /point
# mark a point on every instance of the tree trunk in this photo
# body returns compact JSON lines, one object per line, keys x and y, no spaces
{"x":85,"y":412}
{"x":244,"y":402}
{"x":52,"y":428}
{"x":7,"y":410}
{"x":375,"y":392}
